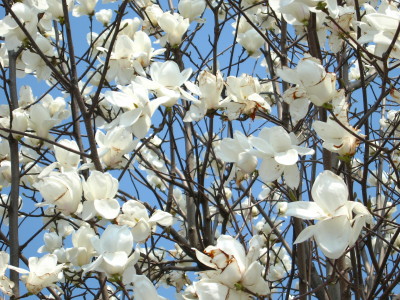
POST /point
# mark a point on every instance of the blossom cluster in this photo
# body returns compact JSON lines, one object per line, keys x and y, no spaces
{"x":144,"y":155}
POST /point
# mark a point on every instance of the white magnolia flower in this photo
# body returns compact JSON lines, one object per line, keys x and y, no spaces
{"x":120,"y":66}
{"x":167,"y":80}
{"x":298,"y":101}
{"x":135,"y":215}
{"x":34,"y":63}
{"x":336,"y":138}
{"x":311,"y":75}
{"x":191,"y":9}
{"x":113,"y":247}
{"x":380,"y":28}
{"x":64,"y":190}
{"x":6,"y":284}
{"x":243,"y":97}
{"x":238,"y":150}
{"x":134,"y":98}
{"x":104,"y":16}
{"x":143,"y":52}
{"x":84,"y":7}
{"x":9,"y":29}
{"x":337,"y":228}
{"x":67,"y":160}
{"x":297,"y":12}
{"x":248,"y":37}
{"x":46,"y":114}
{"x":99,"y":190}
{"x":209,"y":92}
{"x":232,"y":271}
{"x":82,"y":251}
{"x":174,"y":26}
{"x":114,"y":145}
{"x":280,"y":154}
{"x":19,"y":120}
{"x":52,"y":241}
{"x":151,"y":16}
{"x":43,"y":272}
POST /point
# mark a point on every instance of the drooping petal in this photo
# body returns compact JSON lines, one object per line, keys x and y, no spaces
{"x":292,"y":176}
{"x":333,"y":236}
{"x":306,"y":233}
{"x":270,"y":170}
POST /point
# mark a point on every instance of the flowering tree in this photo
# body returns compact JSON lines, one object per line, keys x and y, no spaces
{"x":227,"y":149}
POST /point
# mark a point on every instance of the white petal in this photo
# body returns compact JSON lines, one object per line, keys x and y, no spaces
{"x":306,"y":233}
{"x":333,"y":236}
{"x":161,"y":217}
{"x":292,"y":176}
{"x":304,"y":210}
{"x":270,"y":170}
{"x":208,"y":290}
{"x":129,"y":118}
{"x":330,"y":192}
{"x":287,"y":158}
{"x":141,"y":231}
{"x":143,"y":288}
{"x":107,"y":208}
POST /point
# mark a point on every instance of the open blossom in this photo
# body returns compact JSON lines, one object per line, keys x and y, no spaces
{"x":46,"y":114}
{"x":99,"y":190}
{"x":238,"y":150}
{"x":34,"y":63}
{"x":135,"y":215}
{"x":43,"y":272}
{"x":336,"y":138}
{"x":9,"y":29}
{"x":104,"y":16}
{"x":113,"y":249}
{"x":114,"y":145}
{"x":232,"y":272}
{"x":85,"y":7}
{"x":298,"y":101}
{"x":209,"y":92}
{"x":380,"y":28}
{"x":339,"y":221}
{"x":280,"y":154}
{"x":248,"y":37}
{"x":311,"y":75}
{"x":243,"y":97}
{"x":134,"y":98}
{"x":174,"y":26}
{"x":64,"y":190}
{"x":167,"y":80}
